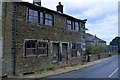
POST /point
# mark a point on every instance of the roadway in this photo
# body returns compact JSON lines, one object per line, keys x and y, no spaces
{"x":106,"y":69}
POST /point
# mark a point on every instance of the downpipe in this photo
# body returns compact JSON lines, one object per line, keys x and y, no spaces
{"x":14,"y":39}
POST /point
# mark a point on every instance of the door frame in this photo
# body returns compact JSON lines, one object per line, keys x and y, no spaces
{"x":60,"y":46}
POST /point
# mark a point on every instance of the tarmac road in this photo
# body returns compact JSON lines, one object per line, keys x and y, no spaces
{"x":106,"y":69}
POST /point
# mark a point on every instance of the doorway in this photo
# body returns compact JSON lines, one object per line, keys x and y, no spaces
{"x":64,"y":51}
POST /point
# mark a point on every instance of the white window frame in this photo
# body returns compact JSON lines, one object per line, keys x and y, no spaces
{"x":42,"y":41}
{"x":24,"y":46}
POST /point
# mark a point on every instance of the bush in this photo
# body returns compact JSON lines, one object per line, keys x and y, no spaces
{"x":92,"y":49}
{"x":40,"y":70}
{"x":51,"y":69}
{"x":72,"y":65}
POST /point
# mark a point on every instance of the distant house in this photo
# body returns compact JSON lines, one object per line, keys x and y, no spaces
{"x":93,"y":40}
{"x":37,"y":37}
{"x":114,"y":45}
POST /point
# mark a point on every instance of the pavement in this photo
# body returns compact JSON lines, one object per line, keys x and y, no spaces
{"x":61,"y":70}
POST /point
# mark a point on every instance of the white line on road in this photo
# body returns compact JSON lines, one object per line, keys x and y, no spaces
{"x":113,"y":72}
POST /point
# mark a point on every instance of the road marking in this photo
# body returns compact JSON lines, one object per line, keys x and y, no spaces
{"x":113,"y":72}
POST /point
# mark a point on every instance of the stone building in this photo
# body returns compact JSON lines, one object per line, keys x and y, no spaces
{"x":93,"y":40}
{"x":37,"y":37}
{"x":114,"y":45}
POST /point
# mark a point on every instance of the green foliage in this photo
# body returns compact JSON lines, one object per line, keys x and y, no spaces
{"x":51,"y":69}
{"x":40,"y":70}
{"x":63,"y":66}
{"x":95,"y":49}
{"x":72,"y":65}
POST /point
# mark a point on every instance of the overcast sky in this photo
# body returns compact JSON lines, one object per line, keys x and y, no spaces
{"x":102,"y":16}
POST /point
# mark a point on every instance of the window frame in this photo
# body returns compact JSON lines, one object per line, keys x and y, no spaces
{"x":77,"y":25}
{"x":38,"y":54}
{"x":69,"y":24}
{"x":75,"y":49}
{"x":36,"y":48}
{"x":72,"y":25}
{"x":39,"y":18}
{"x":48,"y":19}
{"x":25,"y":47}
{"x":33,"y":16}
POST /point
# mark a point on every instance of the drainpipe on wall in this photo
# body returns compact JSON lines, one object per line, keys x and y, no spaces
{"x":1,"y":40}
{"x":14,"y":39}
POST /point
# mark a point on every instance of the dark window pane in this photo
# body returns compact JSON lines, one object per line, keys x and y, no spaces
{"x":30,"y":51}
{"x":76,"y":26}
{"x":40,"y":45}
{"x":30,"y":12}
{"x":33,"y":16}
{"x":48,"y":19}
{"x":47,"y":16}
{"x":30,"y":18}
{"x":50,"y":23}
{"x":41,"y":20}
{"x":68,"y":22}
{"x":73,"y":46}
{"x":35,"y":20}
{"x":36,"y":13}
{"x":73,"y":26}
{"x":30,"y":47}
{"x":42,"y":48}
{"x":46,"y":22}
{"x":41,"y":14}
{"x":69,"y":27}
{"x":44,"y":44}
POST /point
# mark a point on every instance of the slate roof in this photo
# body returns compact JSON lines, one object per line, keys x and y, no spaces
{"x":90,"y":38}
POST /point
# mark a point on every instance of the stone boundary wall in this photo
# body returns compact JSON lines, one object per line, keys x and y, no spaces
{"x":95,"y":57}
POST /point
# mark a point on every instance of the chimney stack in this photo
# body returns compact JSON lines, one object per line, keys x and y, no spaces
{"x":37,"y":2}
{"x":59,"y":7}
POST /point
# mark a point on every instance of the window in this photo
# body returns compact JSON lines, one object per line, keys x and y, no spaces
{"x":77,"y":26}
{"x":42,"y":48}
{"x":30,"y":47}
{"x":78,"y":46}
{"x":72,"y":25}
{"x":48,"y":19}
{"x":33,"y":16}
{"x":75,"y":48}
{"x":34,"y":48}
{"x":39,"y":17}
{"x":69,"y":24}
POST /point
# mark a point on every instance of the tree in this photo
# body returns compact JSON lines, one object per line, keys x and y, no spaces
{"x":96,"y":49}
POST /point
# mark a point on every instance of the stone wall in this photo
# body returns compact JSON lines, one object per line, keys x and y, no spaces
{"x":7,"y":24}
{"x":95,"y":57}
{"x":57,"y":33}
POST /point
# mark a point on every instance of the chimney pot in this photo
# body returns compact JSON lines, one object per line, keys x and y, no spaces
{"x":37,"y":2}
{"x":59,"y":7}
